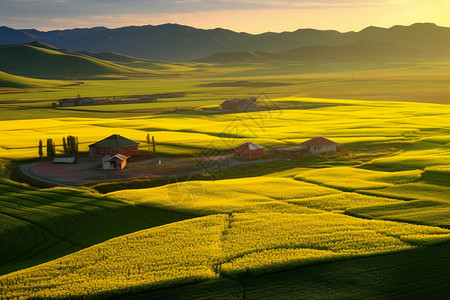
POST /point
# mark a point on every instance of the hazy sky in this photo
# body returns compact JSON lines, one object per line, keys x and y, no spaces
{"x":254,"y":16}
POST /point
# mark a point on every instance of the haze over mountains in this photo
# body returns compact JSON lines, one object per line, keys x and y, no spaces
{"x":173,"y":42}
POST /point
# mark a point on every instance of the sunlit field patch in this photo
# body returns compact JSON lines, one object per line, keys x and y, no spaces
{"x":233,"y":195}
{"x":351,"y":179}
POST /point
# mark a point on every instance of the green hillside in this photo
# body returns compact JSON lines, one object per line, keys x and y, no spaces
{"x":31,"y":61}
{"x":15,"y":81}
{"x":41,"y":225}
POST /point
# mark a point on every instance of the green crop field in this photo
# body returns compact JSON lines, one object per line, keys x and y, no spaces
{"x":369,"y":222}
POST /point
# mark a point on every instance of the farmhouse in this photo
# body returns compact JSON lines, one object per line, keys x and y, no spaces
{"x":249,"y":150}
{"x":76,"y":101}
{"x":114,"y":144}
{"x":240,"y":104}
{"x":320,"y":145}
{"x":118,"y":161}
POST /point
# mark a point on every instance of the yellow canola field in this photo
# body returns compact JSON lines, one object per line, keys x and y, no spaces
{"x":344,"y":121}
{"x":349,"y":178}
{"x":233,"y":195}
{"x":205,"y":247}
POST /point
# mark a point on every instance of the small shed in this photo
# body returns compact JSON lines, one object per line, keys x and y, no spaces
{"x":249,"y":150}
{"x":64,"y":160}
{"x":116,"y":162}
{"x":320,"y":145}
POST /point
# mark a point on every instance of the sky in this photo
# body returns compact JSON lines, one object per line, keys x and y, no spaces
{"x":253,"y":16}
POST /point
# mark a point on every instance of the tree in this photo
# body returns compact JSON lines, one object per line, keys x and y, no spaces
{"x":40,"y":149}
{"x":50,"y":148}
{"x":66,"y":151}
{"x":154,"y":145}
{"x":76,"y":146}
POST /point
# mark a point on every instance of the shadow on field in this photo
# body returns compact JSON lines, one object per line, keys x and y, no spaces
{"x":417,"y":274}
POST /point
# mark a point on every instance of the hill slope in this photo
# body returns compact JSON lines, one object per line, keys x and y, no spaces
{"x":177,"y":42}
{"x":14,"y":81}
{"x":31,"y":61}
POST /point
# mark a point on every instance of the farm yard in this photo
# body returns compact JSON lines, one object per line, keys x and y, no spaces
{"x":196,"y":219}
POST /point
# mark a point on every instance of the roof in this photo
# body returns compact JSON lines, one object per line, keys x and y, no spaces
{"x":239,"y":102}
{"x":120,"y":157}
{"x":249,"y":146}
{"x":114,"y":141}
{"x":64,"y":160}
{"x":319,"y":141}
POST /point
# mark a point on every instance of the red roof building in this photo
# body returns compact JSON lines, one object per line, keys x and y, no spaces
{"x":320,"y":145}
{"x":249,"y":150}
{"x":114,"y":144}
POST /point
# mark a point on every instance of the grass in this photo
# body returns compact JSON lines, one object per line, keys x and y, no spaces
{"x":27,"y":60}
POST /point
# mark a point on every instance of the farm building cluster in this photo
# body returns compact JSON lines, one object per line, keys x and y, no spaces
{"x":115,"y":150}
{"x":84,"y":101}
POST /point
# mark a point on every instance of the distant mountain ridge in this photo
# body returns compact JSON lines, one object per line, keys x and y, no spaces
{"x":177,"y":42}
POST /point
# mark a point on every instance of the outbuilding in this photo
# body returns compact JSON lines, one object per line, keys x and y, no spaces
{"x":249,"y":150}
{"x":64,"y":160}
{"x":118,"y":161}
{"x":320,"y":145}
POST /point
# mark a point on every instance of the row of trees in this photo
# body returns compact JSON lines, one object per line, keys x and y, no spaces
{"x":70,"y":146}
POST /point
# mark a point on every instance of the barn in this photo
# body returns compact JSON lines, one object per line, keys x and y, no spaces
{"x":320,"y":145}
{"x":116,"y":162}
{"x":114,"y":144}
{"x":240,"y":104}
{"x":249,"y":150}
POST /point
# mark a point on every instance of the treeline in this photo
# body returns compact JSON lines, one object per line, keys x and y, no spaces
{"x":70,"y":147}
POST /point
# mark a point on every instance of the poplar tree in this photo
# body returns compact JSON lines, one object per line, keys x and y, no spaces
{"x":66,"y":151}
{"x":40,"y":149}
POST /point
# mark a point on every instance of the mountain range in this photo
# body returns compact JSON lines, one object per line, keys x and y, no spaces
{"x":173,"y":42}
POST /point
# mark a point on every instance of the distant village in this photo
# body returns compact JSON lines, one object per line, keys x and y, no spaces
{"x":86,"y":101}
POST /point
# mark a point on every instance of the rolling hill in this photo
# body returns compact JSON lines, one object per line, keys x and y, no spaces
{"x":363,"y":50}
{"x":40,"y":62}
{"x":14,"y":81}
{"x":177,"y":42}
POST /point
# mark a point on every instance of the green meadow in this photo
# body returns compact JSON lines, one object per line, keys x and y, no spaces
{"x":371,"y":222}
